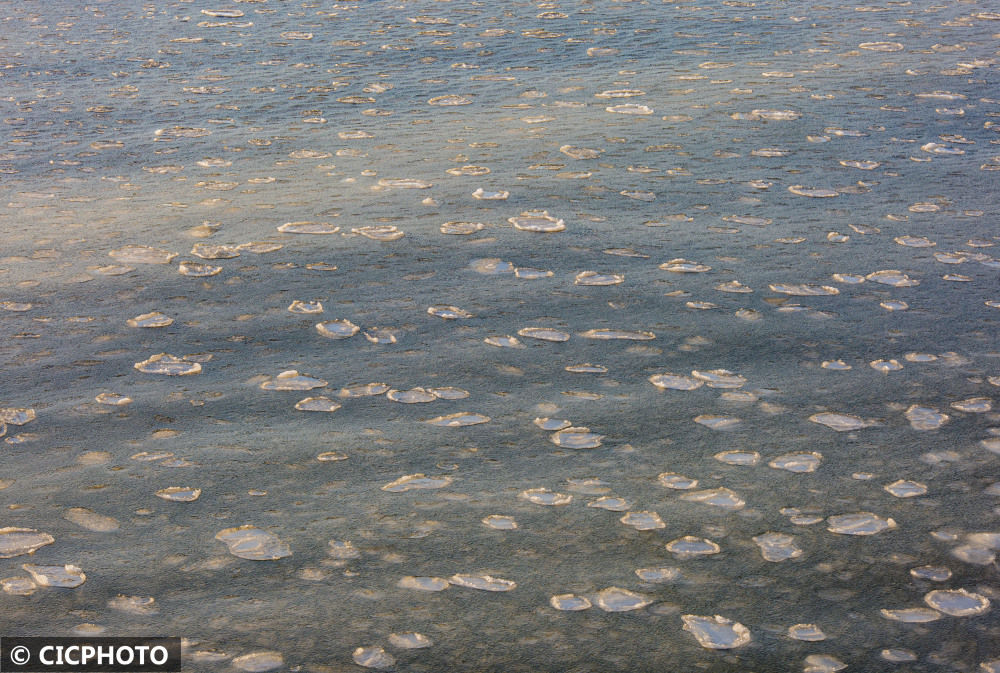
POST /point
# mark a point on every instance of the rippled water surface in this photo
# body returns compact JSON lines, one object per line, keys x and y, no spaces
{"x":473,"y":336}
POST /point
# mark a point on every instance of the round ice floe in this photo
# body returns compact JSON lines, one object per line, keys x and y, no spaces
{"x":799,"y":462}
{"x":903,"y":488}
{"x":543,"y":496}
{"x":380,"y":232}
{"x":151,"y":320}
{"x":482,"y":582}
{"x":448,"y":312}
{"x":689,"y":547}
{"x":308,"y":228}
{"x":259,"y":662}
{"x":813,"y":192}
{"x":932,"y":573}
{"x":292,"y":380}
{"x":957,"y":602}
{"x":717,"y":497}
{"x":804,"y":290}
{"x":823,"y":663}
{"x":168,"y":365}
{"x":676,"y":481}
{"x":859,"y":523}
{"x":587,"y":368}
{"x":613,"y":334}
{"x":643,"y":520}
{"x":911,"y":615}
{"x":576,"y":438}
{"x":113,"y":399}
{"x":738,"y":457}
{"x":925,"y":418}
{"x":373,"y":657}
{"x":412,"y":396}
{"x":806,"y":632}
{"x":179,"y":493}
{"x":974,"y":405}
{"x":543,"y":334}
{"x":337,"y":329}
{"x":317,"y":404}
{"x":668,"y":381}
{"x":714,"y":422}
{"x":249,"y":542}
{"x":716,"y":633}
{"x":66,"y":576}
{"x":611,"y":503}
{"x":503,"y":342}
{"x":459,"y":420}
{"x":569,"y":602}
{"x":537,"y":221}
{"x":500,"y":522}
{"x":776,"y":547}
{"x":684,"y":266}
{"x":305,"y":307}
{"x":598,"y":279}
{"x":410,"y":640}
{"x":615,"y":599}
{"x":839,"y":422}
{"x":363,"y":390}
{"x":461,"y":228}
{"x":416,"y":481}
{"x":142,"y":254}
{"x":423,"y":583}
{"x":893,"y":278}
{"x":719,"y":378}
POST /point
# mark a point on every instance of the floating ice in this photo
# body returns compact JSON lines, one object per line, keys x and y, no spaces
{"x":569,"y":602}
{"x":911,"y":615}
{"x":410,"y":640}
{"x":676,"y":481}
{"x":16,"y":416}
{"x":91,"y":520}
{"x":198,"y":270}
{"x":799,"y":462}
{"x":662,"y":574}
{"x":458,"y":420}
{"x":689,"y":547}
{"x":416,"y":481}
{"x":776,"y":547}
{"x":484,"y":195}
{"x":423,"y":583}
{"x":461,"y":228}
{"x":380,"y":232}
{"x":153,"y":319}
{"x":719,"y":378}
{"x":611,"y":503}
{"x":839,"y":422}
{"x":254,"y":544}
{"x":804,"y":290}
{"x":717,"y":422}
{"x":337,"y":329}
{"x":306,"y":227}
{"x":20,"y":541}
{"x":343,"y":550}
{"x":543,"y":334}
{"x":806,"y":632}
{"x":292,"y":380}
{"x":450,"y":99}
{"x":611,"y":334}
{"x":504,"y":342}
{"x":746,"y":458}
{"x":684,"y":266}
{"x":576,"y":438}
{"x":893,"y":278}
{"x":482,"y":582}
{"x":364,"y":390}
{"x":373,"y":657}
{"x":113,"y":399}
{"x":615,"y":599}
{"x":18,"y":586}
{"x":859,"y":523}
{"x":448,"y":393}
{"x":957,"y":602}
{"x":179,"y":493}
{"x":630,"y":109}
{"x":67,"y":576}
{"x":598,"y":279}
{"x":932,"y":573}
{"x":317,"y":404}
{"x":538,"y":221}
{"x":823,"y":663}
{"x":168,"y":365}
{"x":543,"y":496}
{"x":885,"y":366}
{"x":716,"y":633}
{"x":305,"y":307}
{"x":142,"y":254}
{"x":717,"y":497}
{"x":259,"y":662}
{"x":500,"y":522}
{"x":813,"y":192}
{"x":974,"y":405}
{"x":669,"y":381}
{"x":643,"y":520}
{"x":925,"y":418}
{"x":448,"y":312}
{"x":412,"y":396}
{"x":903,"y":488}
{"x":587,"y":368}
{"x":136,"y":605}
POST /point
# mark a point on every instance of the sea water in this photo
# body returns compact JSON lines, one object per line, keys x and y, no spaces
{"x":503,"y":336}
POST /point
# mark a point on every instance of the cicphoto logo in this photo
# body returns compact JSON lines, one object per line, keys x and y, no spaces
{"x":101,"y":655}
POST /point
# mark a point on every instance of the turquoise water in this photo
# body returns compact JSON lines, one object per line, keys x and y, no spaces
{"x":802,"y":197}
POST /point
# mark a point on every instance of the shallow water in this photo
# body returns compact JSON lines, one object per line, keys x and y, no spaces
{"x":766,"y":270}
